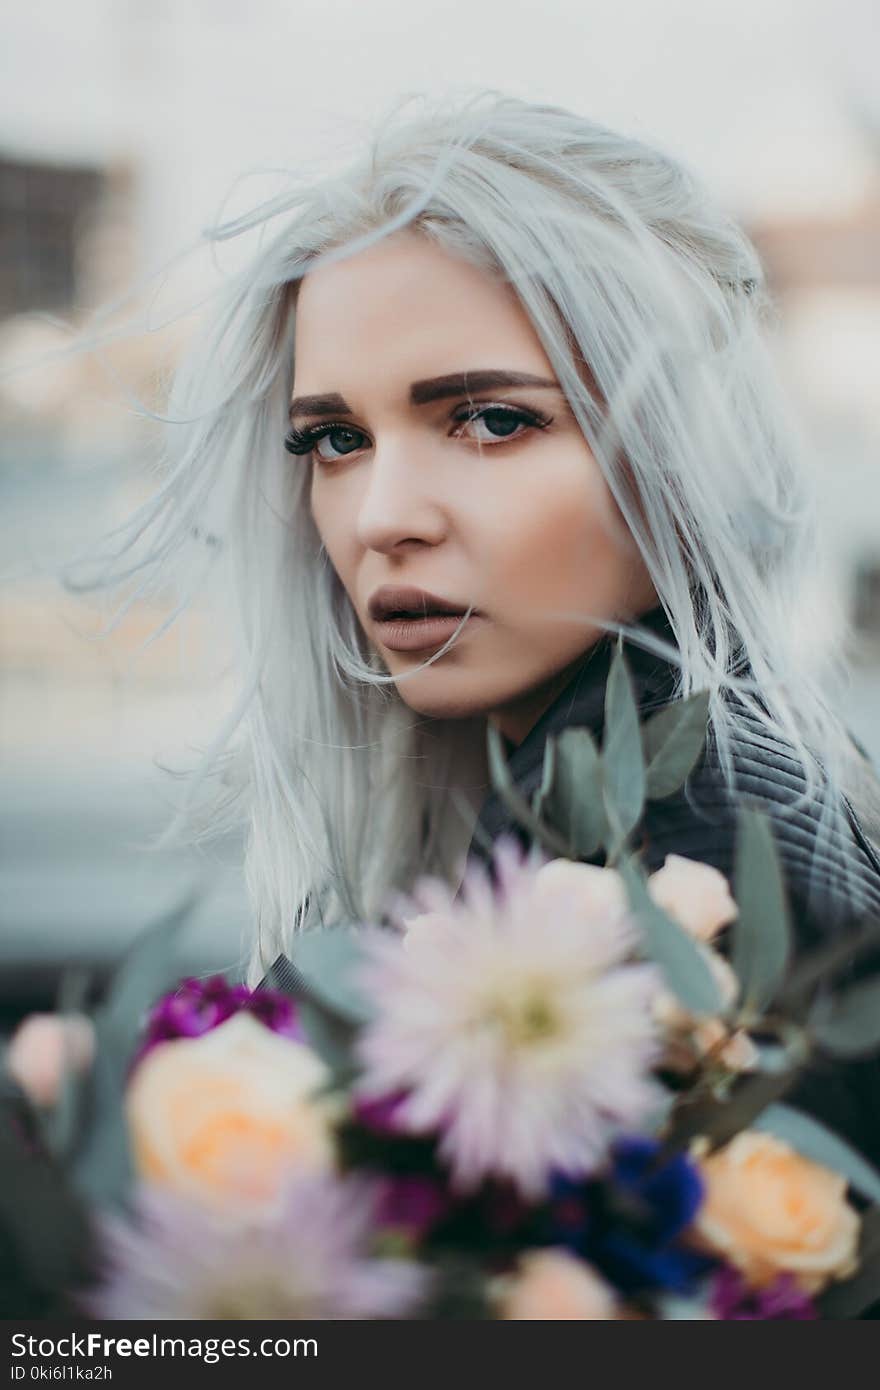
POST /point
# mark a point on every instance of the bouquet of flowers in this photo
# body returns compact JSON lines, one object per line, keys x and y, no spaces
{"x":555,"y":1095}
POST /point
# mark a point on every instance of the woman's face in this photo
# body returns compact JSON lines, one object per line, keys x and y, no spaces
{"x":481,"y":494}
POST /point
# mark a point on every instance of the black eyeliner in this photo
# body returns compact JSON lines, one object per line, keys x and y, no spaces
{"x":302,"y":441}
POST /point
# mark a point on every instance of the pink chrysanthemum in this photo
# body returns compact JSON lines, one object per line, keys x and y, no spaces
{"x":173,"y":1260}
{"x":513,"y":1023}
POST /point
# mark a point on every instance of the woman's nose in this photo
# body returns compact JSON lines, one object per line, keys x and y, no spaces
{"x":398,"y":503}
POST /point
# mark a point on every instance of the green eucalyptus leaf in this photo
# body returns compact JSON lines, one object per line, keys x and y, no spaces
{"x":503,"y":783}
{"x":676,"y":1307}
{"x":761,"y":934}
{"x":63,"y":1123}
{"x":331,"y":1037}
{"x":815,"y":1141}
{"x":683,"y":963}
{"x":149,"y":968}
{"x":623,"y":764}
{"x":673,"y":740}
{"x":719,"y":1120}
{"x":101,"y":1168}
{"x":774,"y":1058}
{"x":328,"y":959}
{"x":658,"y":1119}
{"x":575,"y":803}
{"x":850,"y":1025}
{"x":458,"y":1289}
{"x":852,"y":1296}
{"x":548,"y":775}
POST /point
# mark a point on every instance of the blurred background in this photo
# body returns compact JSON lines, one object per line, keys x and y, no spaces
{"x":125,"y":128}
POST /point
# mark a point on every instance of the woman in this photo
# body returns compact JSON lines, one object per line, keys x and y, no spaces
{"x":508,"y":365}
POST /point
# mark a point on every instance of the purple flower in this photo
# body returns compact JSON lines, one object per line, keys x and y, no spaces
{"x":196,"y":1006}
{"x":414,"y":1203}
{"x":732,"y":1300}
{"x":380,"y":1116}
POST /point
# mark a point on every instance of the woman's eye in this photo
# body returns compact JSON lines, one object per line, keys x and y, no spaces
{"x":341,"y":439}
{"x":500,"y":422}
{"x":489,"y":424}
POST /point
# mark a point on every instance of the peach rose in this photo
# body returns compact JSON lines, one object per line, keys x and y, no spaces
{"x":601,"y":892}
{"x":42,"y":1047}
{"x":695,"y":894}
{"x":735,"y":1049}
{"x":694,"y":1035}
{"x":554,"y":1285}
{"x":224,"y":1117}
{"x":769,"y":1211}
{"x":671,"y":1014}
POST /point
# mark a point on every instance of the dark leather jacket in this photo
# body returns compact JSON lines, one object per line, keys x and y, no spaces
{"x":699,"y":823}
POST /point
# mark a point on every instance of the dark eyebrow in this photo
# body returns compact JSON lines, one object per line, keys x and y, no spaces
{"x":423,"y":392}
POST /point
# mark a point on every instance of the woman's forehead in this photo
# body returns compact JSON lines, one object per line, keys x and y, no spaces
{"x":406,"y":310}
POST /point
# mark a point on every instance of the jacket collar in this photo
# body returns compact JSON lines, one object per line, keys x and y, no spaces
{"x":581,"y":704}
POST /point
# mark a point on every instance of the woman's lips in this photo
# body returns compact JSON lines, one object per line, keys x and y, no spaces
{"x":414,"y":634}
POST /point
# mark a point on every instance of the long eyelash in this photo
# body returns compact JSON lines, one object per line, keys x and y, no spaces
{"x":302,"y":442}
{"x":528,"y":417}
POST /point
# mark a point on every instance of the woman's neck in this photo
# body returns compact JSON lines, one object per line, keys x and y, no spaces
{"x":515,"y":720}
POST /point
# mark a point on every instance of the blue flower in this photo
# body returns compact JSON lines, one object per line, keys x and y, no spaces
{"x":628,"y":1223}
{"x":673,"y":1192}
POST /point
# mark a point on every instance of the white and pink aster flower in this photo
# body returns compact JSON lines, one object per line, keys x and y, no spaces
{"x":514,"y":1023}
{"x":173,"y":1259}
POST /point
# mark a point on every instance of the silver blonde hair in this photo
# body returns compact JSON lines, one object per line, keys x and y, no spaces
{"x":651,"y":305}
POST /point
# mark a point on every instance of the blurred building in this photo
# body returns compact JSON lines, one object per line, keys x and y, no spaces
{"x":825,"y":272}
{"x":88,"y":721}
